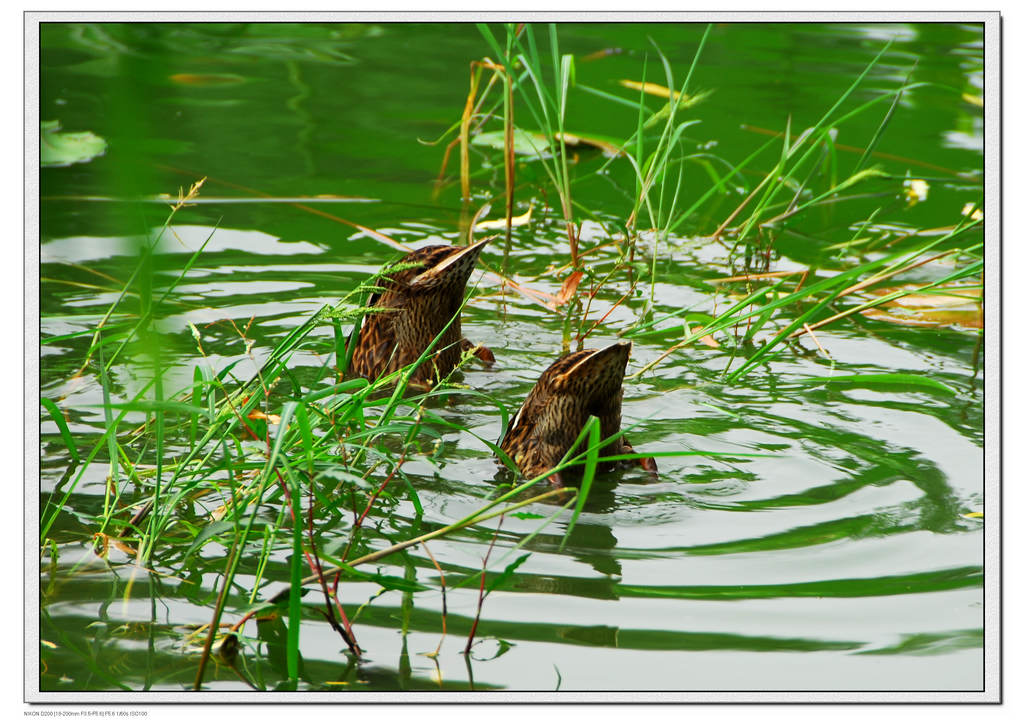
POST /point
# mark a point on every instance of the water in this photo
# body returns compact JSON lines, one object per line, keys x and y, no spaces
{"x":842,"y":561}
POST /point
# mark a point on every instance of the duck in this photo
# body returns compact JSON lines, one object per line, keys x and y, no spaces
{"x":411,"y":307}
{"x":573,"y":388}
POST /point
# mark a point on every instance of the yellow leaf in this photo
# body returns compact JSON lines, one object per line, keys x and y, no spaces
{"x":707,"y":339}
{"x":260,"y":415}
{"x":973,"y":99}
{"x":598,"y":54}
{"x":975,"y":515}
{"x":939,"y":307}
{"x":652,"y":89}
{"x":685,"y":100}
{"x":516,"y":221}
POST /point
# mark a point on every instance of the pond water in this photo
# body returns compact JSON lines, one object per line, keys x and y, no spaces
{"x":838,"y":546}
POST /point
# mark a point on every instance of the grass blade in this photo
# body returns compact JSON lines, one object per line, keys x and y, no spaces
{"x":62,"y":426}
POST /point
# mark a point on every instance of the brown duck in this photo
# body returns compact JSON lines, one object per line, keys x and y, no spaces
{"x":575,"y":387}
{"x":415,"y":303}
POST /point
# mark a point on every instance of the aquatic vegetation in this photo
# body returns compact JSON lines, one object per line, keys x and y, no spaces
{"x":285,"y":430}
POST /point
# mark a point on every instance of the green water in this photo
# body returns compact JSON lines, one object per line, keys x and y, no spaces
{"x":843,"y":561}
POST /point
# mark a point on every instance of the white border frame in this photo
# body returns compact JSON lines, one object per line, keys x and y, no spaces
{"x":993,"y":663}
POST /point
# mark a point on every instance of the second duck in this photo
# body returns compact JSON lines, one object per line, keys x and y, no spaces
{"x":573,"y":388}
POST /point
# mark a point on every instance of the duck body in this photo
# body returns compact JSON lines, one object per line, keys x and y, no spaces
{"x":576,"y":386}
{"x":415,"y":303}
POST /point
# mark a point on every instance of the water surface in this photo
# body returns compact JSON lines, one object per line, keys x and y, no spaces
{"x":842,"y":562}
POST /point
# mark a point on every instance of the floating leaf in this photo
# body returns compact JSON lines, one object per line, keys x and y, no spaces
{"x":260,"y":415}
{"x":707,"y":339}
{"x":535,"y":144}
{"x":527,"y":143}
{"x":58,"y":148}
{"x":969,"y":296}
{"x":938,"y":307}
{"x":516,"y":221}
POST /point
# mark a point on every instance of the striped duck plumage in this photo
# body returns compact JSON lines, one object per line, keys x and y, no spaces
{"x":572,"y":389}
{"x":415,"y":303}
